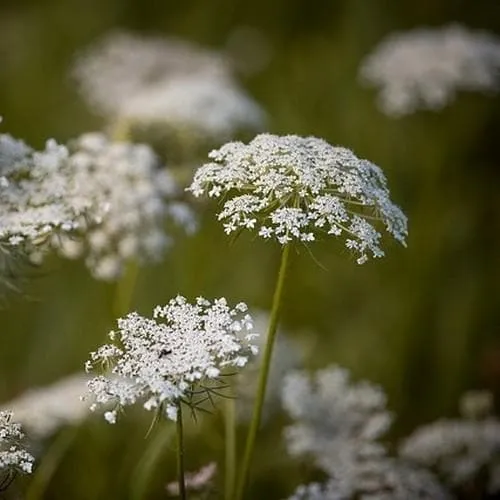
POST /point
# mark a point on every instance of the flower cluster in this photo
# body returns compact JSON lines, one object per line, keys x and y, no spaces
{"x":425,"y":67}
{"x":159,"y":80}
{"x":339,"y":424}
{"x":43,"y":411}
{"x":162,"y":361}
{"x":292,"y":188}
{"x":124,"y":198}
{"x":459,"y":450}
{"x":33,"y":192}
{"x":12,"y":456}
{"x":107,"y":201}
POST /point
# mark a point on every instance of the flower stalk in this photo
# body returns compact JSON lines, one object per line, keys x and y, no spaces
{"x":180,"y":454}
{"x":230,"y":446}
{"x":264,"y":373}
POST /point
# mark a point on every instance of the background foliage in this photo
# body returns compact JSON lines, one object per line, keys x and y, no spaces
{"x":423,"y":322}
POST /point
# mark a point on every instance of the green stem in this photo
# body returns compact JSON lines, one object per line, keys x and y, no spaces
{"x":230,"y":446}
{"x":143,"y":473}
{"x":180,"y":454}
{"x":121,"y":131}
{"x":263,"y":375}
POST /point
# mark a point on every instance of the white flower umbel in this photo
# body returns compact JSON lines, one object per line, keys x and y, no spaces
{"x":12,"y":456}
{"x":44,"y":410}
{"x":461,"y":451}
{"x":33,"y":190}
{"x":425,"y":67}
{"x":149,"y":81}
{"x":165,"y":360}
{"x":389,"y":480}
{"x":206,"y":105}
{"x":125,"y":197}
{"x":294,"y":188}
{"x":339,"y":424}
{"x":121,"y":66}
{"x":331,"y":414}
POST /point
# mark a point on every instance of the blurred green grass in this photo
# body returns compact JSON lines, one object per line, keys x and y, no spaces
{"x":423,"y":322}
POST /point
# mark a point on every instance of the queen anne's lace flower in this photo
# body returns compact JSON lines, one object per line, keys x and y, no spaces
{"x":161,"y":361}
{"x":339,"y":424}
{"x":34,"y":194}
{"x":149,"y":81}
{"x":106,"y":201}
{"x":459,"y":450}
{"x":124,"y":197}
{"x":12,"y":456}
{"x":425,"y":67}
{"x":294,"y":188}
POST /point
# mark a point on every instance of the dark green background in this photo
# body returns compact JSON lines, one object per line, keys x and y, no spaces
{"x":423,"y":322}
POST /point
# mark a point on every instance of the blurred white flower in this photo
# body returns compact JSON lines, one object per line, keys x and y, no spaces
{"x":124,"y":197}
{"x":338,"y":423}
{"x":12,"y":456}
{"x":33,"y":191}
{"x":168,"y":81}
{"x":425,"y":67}
{"x":294,"y":188}
{"x":286,"y":357}
{"x":195,"y":481}
{"x":165,"y":360}
{"x":390,"y":480}
{"x":106,"y":201}
{"x":44,"y":410}
{"x":209,"y":106}
{"x":459,"y":450}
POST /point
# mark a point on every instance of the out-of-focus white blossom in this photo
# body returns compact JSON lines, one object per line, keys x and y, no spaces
{"x":125,"y":198}
{"x":209,"y":106}
{"x":338,"y":423}
{"x":195,"y":481}
{"x":331,"y":413}
{"x":294,"y":188}
{"x":161,"y":361}
{"x":390,"y":480}
{"x":458,"y":450}
{"x":34,"y":194}
{"x":12,"y":456}
{"x":286,"y":357}
{"x":425,"y":67}
{"x":165,"y":81}
{"x":44,"y":410}
{"x":106,"y":201}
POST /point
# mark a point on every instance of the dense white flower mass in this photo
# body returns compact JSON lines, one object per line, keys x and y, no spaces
{"x":106,"y":201}
{"x":162,"y":361}
{"x":168,"y":81}
{"x":210,"y":106}
{"x":339,"y":424}
{"x":44,"y":410}
{"x":124,"y":198}
{"x":33,"y":190}
{"x":389,"y":480}
{"x":425,"y":67}
{"x":294,"y":188}
{"x":459,"y":450}
{"x":12,"y":456}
